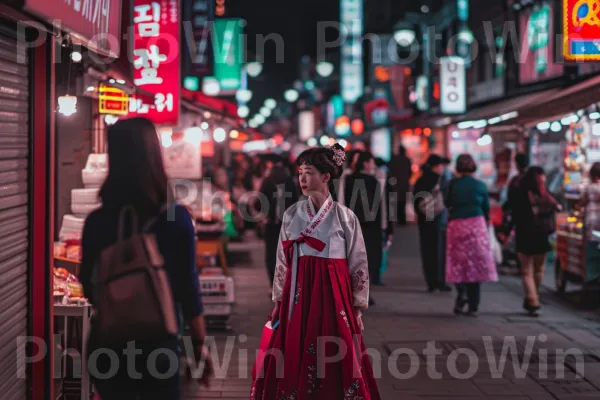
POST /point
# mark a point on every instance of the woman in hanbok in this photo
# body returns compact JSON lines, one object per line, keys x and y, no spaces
{"x":321,"y":285}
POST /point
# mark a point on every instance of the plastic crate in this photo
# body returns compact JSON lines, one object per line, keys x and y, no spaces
{"x":217,"y":289}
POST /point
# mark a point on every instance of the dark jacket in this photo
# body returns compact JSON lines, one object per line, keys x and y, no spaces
{"x":176,"y":242}
{"x":362,"y":194}
{"x":425,"y":184}
{"x":400,"y":168}
{"x":281,"y":192}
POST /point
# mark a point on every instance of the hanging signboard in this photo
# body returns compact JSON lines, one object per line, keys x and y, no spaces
{"x":453,"y":90}
{"x":198,"y":61}
{"x":228,"y":54}
{"x":352,"y":60}
{"x":581,"y":30}
{"x":537,"y":60}
{"x":156,"y":57}
{"x":112,"y":100}
{"x":96,"y":23}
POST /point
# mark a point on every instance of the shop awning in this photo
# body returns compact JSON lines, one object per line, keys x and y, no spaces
{"x":563,"y":101}
{"x":505,"y":111}
{"x":196,"y":100}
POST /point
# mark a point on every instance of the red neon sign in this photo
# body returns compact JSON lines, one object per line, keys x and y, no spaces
{"x":156,"y":58}
{"x":581,"y":30}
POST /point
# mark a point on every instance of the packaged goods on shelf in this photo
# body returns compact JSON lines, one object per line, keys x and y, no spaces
{"x":95,"y":171}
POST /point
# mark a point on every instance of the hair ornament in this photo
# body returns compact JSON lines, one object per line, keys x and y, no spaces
{"x":339,"y":155}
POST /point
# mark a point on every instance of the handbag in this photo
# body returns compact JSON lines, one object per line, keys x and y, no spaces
{"x":544,"y":215}
{"x":265,"y":341}
{"x":433,"y":203}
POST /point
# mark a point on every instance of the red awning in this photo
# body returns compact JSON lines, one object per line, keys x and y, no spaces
{"x":212,"y":104}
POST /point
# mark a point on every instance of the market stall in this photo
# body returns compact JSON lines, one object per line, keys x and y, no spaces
{"x":577,"y":254}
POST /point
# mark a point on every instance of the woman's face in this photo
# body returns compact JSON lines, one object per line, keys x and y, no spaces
{"x":311,"y":180}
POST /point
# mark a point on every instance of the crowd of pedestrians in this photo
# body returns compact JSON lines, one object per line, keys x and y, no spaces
{"x":331,"y":208}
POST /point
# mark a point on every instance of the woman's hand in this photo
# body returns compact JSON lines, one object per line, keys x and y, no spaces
{"x":358,"y":313}
{"x":204,"y":360}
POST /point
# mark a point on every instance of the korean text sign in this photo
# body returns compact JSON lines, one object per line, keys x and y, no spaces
{"x":98,"y":22}
{"x":156,"y":58}
{"x":453,"y":99}
{"x":581,"y":30}
{"x":228,"y":54}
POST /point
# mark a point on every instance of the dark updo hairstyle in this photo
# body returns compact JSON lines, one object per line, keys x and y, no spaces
{"x":322,"y":159}
{"x":465,"y":164}
{"x":595,"y":172}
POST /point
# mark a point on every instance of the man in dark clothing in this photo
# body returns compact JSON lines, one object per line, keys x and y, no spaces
{"x":429,"y":228}
{"x":281,"y":192}
{"x":364,"y":196}
{"x":400,"y":168}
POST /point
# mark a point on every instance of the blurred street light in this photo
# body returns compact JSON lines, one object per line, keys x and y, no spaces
{"x":219,"y":135}
{"x":270,"y":103}
{"x":265,"y":112}
{"x":291,"y":95}
{"x":243,"y":111}
{"x":259,"y":119}
{"x":324,"y":69}
{"x":404,"y":34}
{"x":254,"y":68}
{"x":243,"y":95}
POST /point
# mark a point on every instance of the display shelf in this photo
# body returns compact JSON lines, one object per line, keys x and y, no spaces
{"x":83,"y":314}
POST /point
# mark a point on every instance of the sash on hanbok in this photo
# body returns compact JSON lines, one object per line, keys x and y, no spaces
{"x":306,"y":238}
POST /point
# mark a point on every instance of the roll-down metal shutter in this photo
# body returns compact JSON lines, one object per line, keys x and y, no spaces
{"x":14,"y":217}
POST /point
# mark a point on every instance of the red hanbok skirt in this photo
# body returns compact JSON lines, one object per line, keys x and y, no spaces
{"x":319,"y":352}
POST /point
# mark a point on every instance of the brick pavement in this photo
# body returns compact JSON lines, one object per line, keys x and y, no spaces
{"x":406,"y":319}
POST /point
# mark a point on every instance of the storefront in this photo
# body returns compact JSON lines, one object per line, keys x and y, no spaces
{"x":29,"y":99}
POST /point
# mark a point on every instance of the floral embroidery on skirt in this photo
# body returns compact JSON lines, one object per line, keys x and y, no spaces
{"x":352,"y":392}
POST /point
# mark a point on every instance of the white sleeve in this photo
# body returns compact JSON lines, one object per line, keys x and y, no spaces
{"x":280,"y":266}
{"x":357,"y":261}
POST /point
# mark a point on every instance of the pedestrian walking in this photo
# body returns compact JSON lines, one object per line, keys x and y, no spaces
{"x":279,"y":193}
{"x":321,"y":285}
{"x":469,"y":259}
{"x":386,"y":224}
{"x":445,"y":180}
{"x":400,"y":169}
{"x":137,"y":183}
{"x":429,"y":207}
{"x":366,"y":198}
{"x":534,"y":211}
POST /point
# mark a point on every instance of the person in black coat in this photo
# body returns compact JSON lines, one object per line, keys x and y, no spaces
{"x":400,"y":169}
{"x":280,"y":191}
{"x":429,"y":229}
{"x":363,"y":195}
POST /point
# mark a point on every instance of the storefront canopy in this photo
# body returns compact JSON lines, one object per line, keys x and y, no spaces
{"x":562,"y":102}
{"x":506,"y":111}
{"x":196,"y":100}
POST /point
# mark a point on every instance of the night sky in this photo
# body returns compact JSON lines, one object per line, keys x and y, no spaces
{"x":296,"y":22}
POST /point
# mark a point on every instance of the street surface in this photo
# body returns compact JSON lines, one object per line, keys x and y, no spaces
{"x":562,"y":345}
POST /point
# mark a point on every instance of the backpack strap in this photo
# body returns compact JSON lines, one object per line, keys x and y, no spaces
{"x":134,"y":222}
{"x":150,"y":223}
